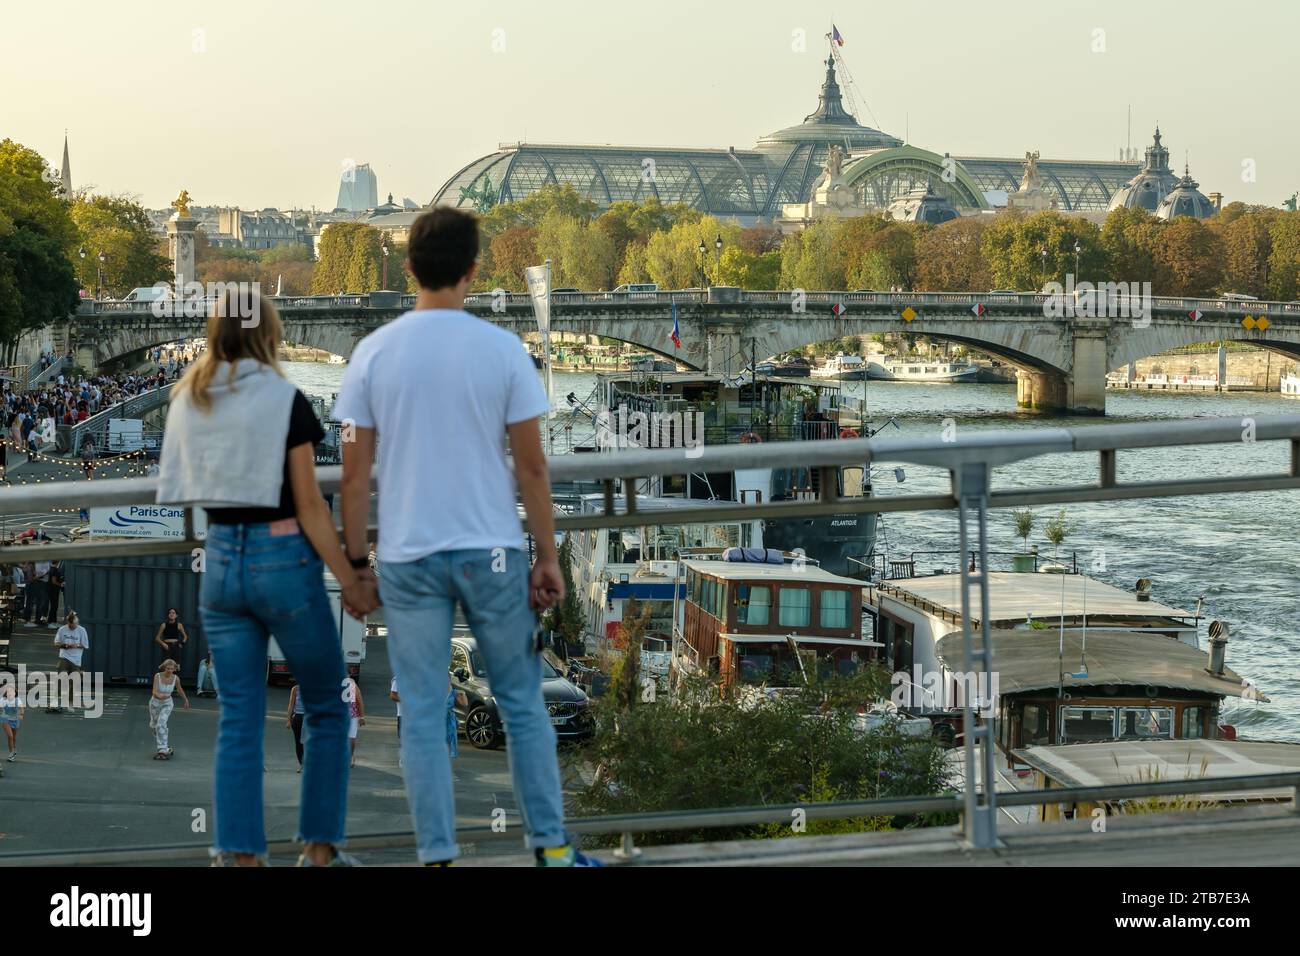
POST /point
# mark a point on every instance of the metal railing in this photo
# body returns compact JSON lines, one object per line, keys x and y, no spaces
{"x":39,"y":376}
{"x":970,"y":461}
{"x":676,"y":821}
{"x":97,"y":428}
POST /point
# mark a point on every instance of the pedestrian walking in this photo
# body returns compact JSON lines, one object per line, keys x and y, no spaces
{"x":12,"y":710}
{"x":445,"y":542}
{"x":72,"y":640}
{"x":172,"y":637}
{"x":356,"y":711}
{"x":240,"y":441}
{"x":297,"y":713}
{"x":165,"y":684}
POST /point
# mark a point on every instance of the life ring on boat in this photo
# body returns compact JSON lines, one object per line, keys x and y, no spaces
{"x":849,"y":433}
{"x":750,"y":438}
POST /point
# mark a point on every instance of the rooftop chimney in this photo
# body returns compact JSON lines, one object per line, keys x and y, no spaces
{"x":1218,"y":645}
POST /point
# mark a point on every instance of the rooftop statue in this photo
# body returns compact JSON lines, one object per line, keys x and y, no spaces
{"x":1031,"y":179}
{"x":182,"y":205}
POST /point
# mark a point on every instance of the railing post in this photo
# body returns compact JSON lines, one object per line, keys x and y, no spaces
{"x":627,"y":849}
{"x":980,"y":823}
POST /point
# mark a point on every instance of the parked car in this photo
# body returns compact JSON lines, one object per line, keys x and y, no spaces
{"x":476,"y":708}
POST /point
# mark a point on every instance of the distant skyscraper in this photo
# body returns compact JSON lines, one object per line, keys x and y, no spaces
{"x":66,"y":176}
{"x":358,"y":189}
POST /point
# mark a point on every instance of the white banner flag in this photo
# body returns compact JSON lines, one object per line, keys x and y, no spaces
{"x":539,"y":287}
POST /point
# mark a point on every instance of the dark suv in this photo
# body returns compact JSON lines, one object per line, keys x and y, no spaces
{"x":476,"y":708}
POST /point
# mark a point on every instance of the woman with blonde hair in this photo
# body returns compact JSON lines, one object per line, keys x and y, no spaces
{"x":165,"y":684}
{"x":239,"y":442}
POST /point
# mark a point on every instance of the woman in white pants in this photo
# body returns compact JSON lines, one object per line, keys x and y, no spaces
{"x":165,"y":683}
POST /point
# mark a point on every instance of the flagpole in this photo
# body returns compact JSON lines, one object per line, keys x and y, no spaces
{"x":546,"y":363}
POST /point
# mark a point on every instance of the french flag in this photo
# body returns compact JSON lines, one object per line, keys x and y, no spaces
{"x":835,"y":35}
{"x":677,"y":332}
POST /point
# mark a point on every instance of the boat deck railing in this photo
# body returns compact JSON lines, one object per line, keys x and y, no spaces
{"x":971,"y":462}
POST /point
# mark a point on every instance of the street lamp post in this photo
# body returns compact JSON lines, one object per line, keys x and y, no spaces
{"x":1077,"y":249}
{"x":82,"y":269}
{"x":704,"y":275}
{"x":384,"y":246}
{"x":717,"y":273}
{"x":1043,"y":253}
{"x":99,"y":274}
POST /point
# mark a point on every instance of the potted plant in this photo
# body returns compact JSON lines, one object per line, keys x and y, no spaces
{"x":1027,"y":559}
{"x":1057,"y":529}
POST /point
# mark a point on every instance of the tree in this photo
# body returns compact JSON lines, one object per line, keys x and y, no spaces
{"x":533,"y":208}
{"x":813,"y":259}
{"x":1284,"y":259}
{"x":513,"y":251}
{"x":1247,"y":245}
{"x":1191,"y":255}
{"x":1024,"y":525}
{"x":351,"y":260}
{"x":1013,"y":247}
{"x":887,"y":262}
{"x":673,"y":258}
{"x":948,"y":257}
{"x":566,"y":619}
{"x":751,"y":270}
{"x":118,"y":227}
{"x":1057,"y":529}
{"x":37,"y":242}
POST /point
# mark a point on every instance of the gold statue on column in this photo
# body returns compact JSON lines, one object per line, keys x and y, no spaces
{"x":182,"y":205}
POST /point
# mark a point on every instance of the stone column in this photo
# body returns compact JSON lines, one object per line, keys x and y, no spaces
{"x":180,"y":244}
{"x":1041,"y":390}
{"x":1086,"y":393}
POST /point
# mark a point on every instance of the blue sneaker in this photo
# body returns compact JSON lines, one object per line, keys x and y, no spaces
{"x":567,"y":855}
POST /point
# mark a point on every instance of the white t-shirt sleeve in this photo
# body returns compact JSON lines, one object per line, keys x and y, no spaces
{"x":354,"y":393}
{"x":525,"y":398}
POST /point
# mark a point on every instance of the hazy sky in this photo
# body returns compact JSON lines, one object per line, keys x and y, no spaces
{"x":261,"y":103}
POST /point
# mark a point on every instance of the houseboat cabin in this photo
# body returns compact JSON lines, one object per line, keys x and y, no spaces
{"x":1110,"y":685}
{"x":612,"y":566}
{"x":1074,"y":659}
{"x":1119,"y":762}
{"x":770,"y":623}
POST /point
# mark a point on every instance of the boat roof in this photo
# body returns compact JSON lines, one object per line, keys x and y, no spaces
{"x":596,"y":503}
{"x":751,"y":570}
{"x":1134,"y":761}
{"x":1030,"y":659}
{"x":705,"y":378}
{"x":1013,"y":595}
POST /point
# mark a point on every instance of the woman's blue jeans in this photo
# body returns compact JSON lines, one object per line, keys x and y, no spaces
{"x":255,"y":585}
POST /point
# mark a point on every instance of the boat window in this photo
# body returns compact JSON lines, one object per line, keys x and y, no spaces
{"x":754,"y":668}
{"x":1146,"y":723}
{"x":1191,"y":723}
{"x":1034,"y":726}
{"x":835,"y":609}
{"x":796,"y":607}
{"x":756,"y":609}
{"x":1087,"y":723}
{"x":710,"y":589}
{"x":720,"y":602}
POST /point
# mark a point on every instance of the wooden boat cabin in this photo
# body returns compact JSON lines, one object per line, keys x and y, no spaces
{"x":771,"y":623}
{"x":1108,"y":685}
{"x":1120,"y":762}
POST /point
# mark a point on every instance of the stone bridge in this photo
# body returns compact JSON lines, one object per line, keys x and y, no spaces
{"x":1060,"y":347}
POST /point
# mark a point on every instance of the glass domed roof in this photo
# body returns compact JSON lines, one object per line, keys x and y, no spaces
{"x":1149,"y":187}
{"x":1186,"y":199}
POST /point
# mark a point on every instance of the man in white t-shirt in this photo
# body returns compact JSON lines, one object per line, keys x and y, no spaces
{"x":71,"y":640}
{"x":442,"y":390}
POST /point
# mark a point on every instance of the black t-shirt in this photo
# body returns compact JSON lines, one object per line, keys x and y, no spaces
{"x":304,"y":428}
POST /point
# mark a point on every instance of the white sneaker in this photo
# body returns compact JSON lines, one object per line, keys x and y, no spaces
{"x":13,"y":755}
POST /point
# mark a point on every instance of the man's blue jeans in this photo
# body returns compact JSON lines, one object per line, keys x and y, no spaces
{"x":256,"y":585}
{"x":420,"y":599}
